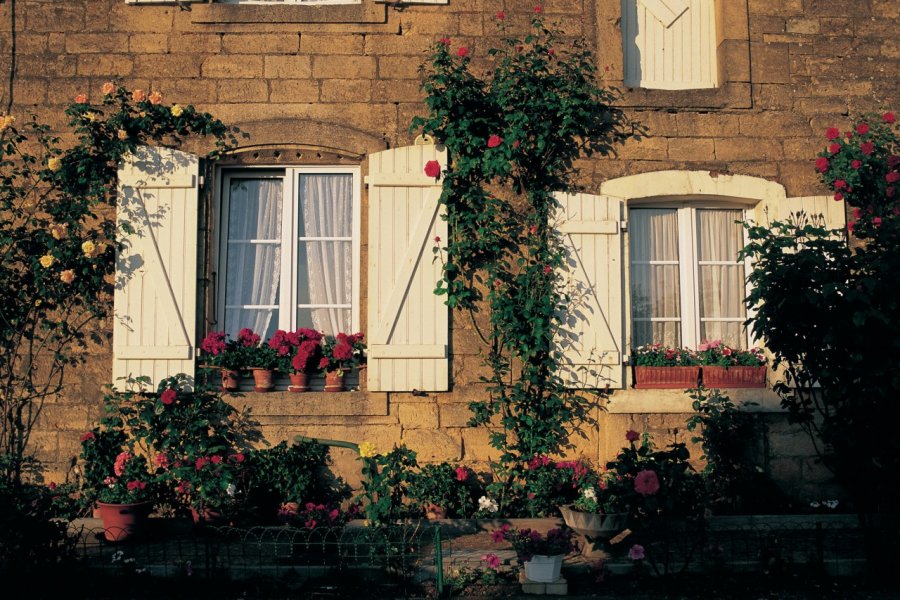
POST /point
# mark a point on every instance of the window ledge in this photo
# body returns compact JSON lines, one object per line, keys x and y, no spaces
{"x":326,"y":404}
{"x":677,"y":401}
{"x":367,"y":12}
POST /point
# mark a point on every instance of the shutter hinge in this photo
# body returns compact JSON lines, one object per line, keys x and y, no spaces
{"x":623,"y":225}
{"x":202,"y":181}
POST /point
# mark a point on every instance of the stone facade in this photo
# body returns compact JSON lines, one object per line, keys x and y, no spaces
{"x":346,"y":79}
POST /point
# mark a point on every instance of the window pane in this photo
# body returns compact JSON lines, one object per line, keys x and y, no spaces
{"x":253,"y":255}
{"x":325,"y":266}
{"x":655,"y":278}
{"x":721,"y":276}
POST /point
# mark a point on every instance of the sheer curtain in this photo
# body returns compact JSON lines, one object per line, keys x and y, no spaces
{"x":253,"y":263}
{"x":655,"y":281}
{"x":326,"y":230}
{"x":721,"y":277}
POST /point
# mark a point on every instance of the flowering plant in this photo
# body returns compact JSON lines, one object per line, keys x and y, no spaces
{"x":220,"y":351}
{"x":550,"y":484}
{"x":255,"y":353}
{"x":442,"y":486}
{"x":207,"y":482}
{"x":657,"y":355}
{"x":312,"y":515}
{"x":528,"y":542}
{"x":342,"y":352}
{"x":716,"y":353}
{"x":297,"y":351}
{"x":129,"y":481}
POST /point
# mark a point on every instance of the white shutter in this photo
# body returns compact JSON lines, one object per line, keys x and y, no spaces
{"x":155,"y":303}
{"x":781,"y":210}
{"x":670,"y":44}
{"x":590,"y":340}
{"x":408,"y":323}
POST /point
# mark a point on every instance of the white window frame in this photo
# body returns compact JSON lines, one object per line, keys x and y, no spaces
{"x":287,"y":319}
{"x":688,"y":266}
{"x":294,"y":2}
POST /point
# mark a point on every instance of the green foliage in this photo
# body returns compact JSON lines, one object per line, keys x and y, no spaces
{"x":712,"y":353}
{"x":830,"y":314}
{"x":453,"y":489}
{"x":386,"y":478}
{"x":551,"y":484}
{"x":58,"y":242}
{"x":514,"y":136}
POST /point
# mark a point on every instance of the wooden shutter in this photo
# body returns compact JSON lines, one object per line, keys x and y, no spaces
{"x":670,"y":44}
{"x":155,"y":302}
{"x":785,"y":208}
{"x":408,"y":323}
{"x":590,"y":340}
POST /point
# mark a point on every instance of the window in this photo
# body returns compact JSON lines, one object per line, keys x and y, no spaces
{"x":686,"y":282}
{"x":669,"y":44}
{"x":289,"y":249}
{"x":312,"y":2}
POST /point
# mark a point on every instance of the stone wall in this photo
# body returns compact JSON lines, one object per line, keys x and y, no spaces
{"x":347,"y":79}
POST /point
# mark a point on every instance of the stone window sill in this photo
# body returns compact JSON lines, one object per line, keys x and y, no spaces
{"x":677,"y":401}
{"x":367,"y":12}
{"x":325,"y":404}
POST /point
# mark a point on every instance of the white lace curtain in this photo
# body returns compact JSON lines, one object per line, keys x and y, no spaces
{"x":253,"y":265}
{"x":326,"y":230}
{"x":655,"y":282}
{"x":721,"y":277}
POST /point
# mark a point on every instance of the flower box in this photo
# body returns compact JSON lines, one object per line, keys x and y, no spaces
{"x":656,"y":378}
{"x":734,"y":377}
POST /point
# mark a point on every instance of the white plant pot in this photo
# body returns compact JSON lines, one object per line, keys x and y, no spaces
{"x":543,"y":569}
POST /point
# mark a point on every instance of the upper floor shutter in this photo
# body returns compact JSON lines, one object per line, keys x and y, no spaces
{"x":590,"y":339}
{"x":155,"y":302}
{"x":669,"y":44}
{"x":408,"y":323}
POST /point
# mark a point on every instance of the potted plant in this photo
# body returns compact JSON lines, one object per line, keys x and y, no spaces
{"x":124,"y":499}
{"x":599,"y":510}
{"x":304,"y":360}
{"x":725,"y":367}
{"x":260,"y":358}
{"x":659,"y":367}
{"x":225,"y":354}
{"x":541,"y":555}
{"x":339,"y":354}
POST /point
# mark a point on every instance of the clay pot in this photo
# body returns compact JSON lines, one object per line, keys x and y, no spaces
{"x":123,"y":521}
{"x":230,"y":379}
{"x":299,"y":382}
{"x":263,"y":380}
{"x":334,"y":381}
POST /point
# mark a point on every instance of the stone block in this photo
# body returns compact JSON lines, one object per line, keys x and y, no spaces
{"x":392,"y":68}
{"x":195,"y":43}
{"x":454,"y":415}
{"x":775,"y":124}
{"x":706,"y":124}
{"x":396,"y":91}
{"x":770,"y":64}
{"x":781,"y":7}
{"x":294,"y":90}
{"x":346,"y":90}
{"x":257,"y":43}
{"x":343,"y":67}
{"x":476,"y":445}
{"x":188,"y":91}
{"x":560,"y":587}
{"x":148,"y":43}
{"x":418,"y":416}
{"x":472,"y":25}
{"x":645,"y":148}
{"x":31,"y":91}
{"x":314,"y":43}
{"x":86,"y":43}
{"x":243,"y":90}
{"x":287,"y":67}
{"x":145,"y":18}
{"x":105,"y":65}
{"x":433,"y":445}
{"x":53,"y":16}
{"x":169,"y":66}
{"x":748,"y":149}
{"x":801,"y":148}
{"x":233,"y":66}
{"x":774,"y":96}
{"x":391,"y":44}
{"x":691,"y":148}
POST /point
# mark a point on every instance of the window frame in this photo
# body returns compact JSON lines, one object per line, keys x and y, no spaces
{"x":686,"y":214}
{"x":288,"y":294}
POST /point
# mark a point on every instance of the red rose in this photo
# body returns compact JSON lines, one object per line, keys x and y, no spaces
{"x":547,"y":269}
{"x":839,"y":184}
{"x":433,"y":168}
{"x":888,"y":117}
{"x":462,"y":473}
{"x":893,"y":161}
{"x":876,"y":221}
{"x":516,"y":144}
{"x":889,"y":192}
{"x":551,"y":51}
{"x":538,"y":10}
{"x":631,"y":435}
{"x":892,"y":176}
{"x":494,"y":141}
{"x":216,"y":459}
{"x":462,"y":51}
{"x":834,"y":148}
{"x":646,"y":483}
{"x":437,"y":239}
{"x":532,"y":230}
{"x":867,"y":148}
{"x":168,"y":396}
{"x":832,"y":133}
{"x":851,"y":225}
{"x":87,"y":436}
{"x":855,"y":164}
{"x":838,"y":196}
{"x":444,"y":41}
{"x":822,"y":164}
{"x":500,"y":15}
{"x":862,"y":129}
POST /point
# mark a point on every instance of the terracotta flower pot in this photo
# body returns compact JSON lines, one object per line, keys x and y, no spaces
{"x":734,"y":377}
{"x":334,"y":381}
{"x":299,"y":382}
{"x":123,"y":521}
{"x":230,"y":379}
{"x":658,"y":378}
{"x":263,"y":380}
{"x":206,"y":516}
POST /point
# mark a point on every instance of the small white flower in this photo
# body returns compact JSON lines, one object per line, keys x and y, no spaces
{"x":128,"y":561}
{"x":231,"y":489}
{"x":589,"y":493}
{"x":832,"y":504}
{"x":117,"y":556}
{"x":814,"y":504}
{"x":489,"y":504}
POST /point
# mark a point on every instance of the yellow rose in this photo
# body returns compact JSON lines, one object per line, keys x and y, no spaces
{"x":47,"y":261}
{"x":54,"y":164}
{"x":367,"y":450}
{"x":88,"y":248}
{"x":177,"y":110}
{"x":122,"y":134}
{"x":90,"y":116}
{"x":6,"y":121}
{"x":67,"y":276}
{"x":59,"y":230}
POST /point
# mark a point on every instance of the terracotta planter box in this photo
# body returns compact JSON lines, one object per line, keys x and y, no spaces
{"x":664,"y":378}
{"x":734,"y":377}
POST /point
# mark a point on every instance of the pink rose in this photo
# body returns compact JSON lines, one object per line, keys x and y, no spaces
{"x":832,"y":133}
{"x":646,"y":483}
{"x":462,"y":52}
{"x":462,"y":473}
{"x":168,"y":396}
{"x":444,"y":41}
{"x":839,"y":184}
{"x":433,"y":168}
{"x":119,"y":465}
{"x":876,"y":221}
{"x":161,"y":460}
{"x":81,"y":99}
{"x":87,"y":436}
{"x":216,"y":459}
{"x":892,"y":177}
{"x":516,"y":144}
{"x":500,"y":16}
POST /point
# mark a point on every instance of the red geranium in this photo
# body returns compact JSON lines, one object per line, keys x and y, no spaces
{"x":494,"y":141}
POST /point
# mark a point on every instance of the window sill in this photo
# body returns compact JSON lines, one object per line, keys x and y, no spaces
{"x":325,"y":404}
{"x":677,"y":401}
{"x":367,"y":12}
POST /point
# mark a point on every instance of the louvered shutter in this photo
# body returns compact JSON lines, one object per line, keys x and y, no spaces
{"x":670,"y":44}
{"x":408,"y":323}
{"x":155,"y":301}
{"x":590,"y":340}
